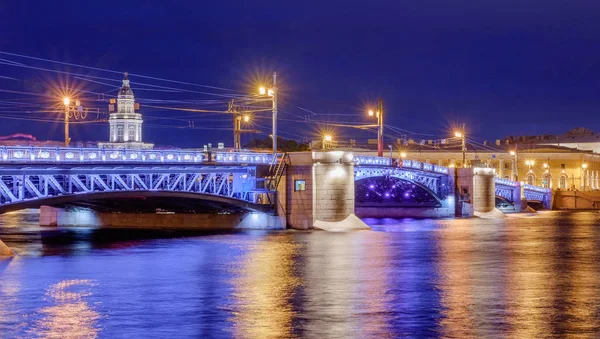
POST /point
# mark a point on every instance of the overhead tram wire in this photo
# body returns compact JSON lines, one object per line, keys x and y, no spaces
{"x":109,"y":79}
{"x":113,"y":71}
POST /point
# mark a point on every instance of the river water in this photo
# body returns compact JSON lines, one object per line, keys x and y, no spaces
{"x":519,"y":277}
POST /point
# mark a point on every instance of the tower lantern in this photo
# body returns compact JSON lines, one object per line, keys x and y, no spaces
{"x":126,"y":122}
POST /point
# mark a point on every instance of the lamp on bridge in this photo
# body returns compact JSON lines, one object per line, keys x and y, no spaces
{"x":515,"y":165}
{"x":463,"y":145}
{"x":272,"y":94}
{"x":379,"y":115}
{"x":529,"y":163}
{"x":327,"y":139}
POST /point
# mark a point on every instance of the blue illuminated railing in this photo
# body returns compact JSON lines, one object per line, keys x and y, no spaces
{"x":527,"y":187}
{"x":369,"y":160}
{"x":19,"y":154}
{"x":537,"y":188}
{"x":412,"y":164}
{"x":506,"y":182}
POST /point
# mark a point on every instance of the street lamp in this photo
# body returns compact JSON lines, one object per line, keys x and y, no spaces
{"x":403,"y":155}
{"x":327,"y":138}
{"x":67,"y":102}
{"x":379,"y":115}
{"x":584,"y":167}
{"x":272,"y":94}
{"x":529,"y":163}
{"x":246,"y":118}
{"x":463,"y":146}
{"x":515,"y":165}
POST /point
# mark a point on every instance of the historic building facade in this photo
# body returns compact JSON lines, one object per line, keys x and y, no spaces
{"x":126,"y":122}
{"x":552,"y":167}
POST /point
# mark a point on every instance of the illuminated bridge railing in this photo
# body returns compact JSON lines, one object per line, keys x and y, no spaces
{"x":94,"y":155}
{"x":506,"y":182}
{"x":410,"y":164}
{"x":369,"y":160}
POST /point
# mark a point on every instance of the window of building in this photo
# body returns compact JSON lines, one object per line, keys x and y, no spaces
{"x":507,"y":165}
{"x":547,"y":181}
{"x":530,"y":179}
{"x":562,"y":181}
{"x":299,"y":185}
{"x":120,"y":132}
{"x":562,"y":166}
{"x":131,"y":133}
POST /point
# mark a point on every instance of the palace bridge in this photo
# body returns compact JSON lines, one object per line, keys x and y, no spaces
{"x":288,"y":190}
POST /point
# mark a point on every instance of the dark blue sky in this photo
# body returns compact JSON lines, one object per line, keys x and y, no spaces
{"x":503,"y":68}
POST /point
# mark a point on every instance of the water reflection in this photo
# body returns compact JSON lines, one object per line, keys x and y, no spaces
{"x":516,"y":277}
{"x":69,"y":316}
{"x":263,"y":288}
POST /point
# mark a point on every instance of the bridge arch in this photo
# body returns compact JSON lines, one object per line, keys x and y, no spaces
{"x":227,"y":203}
{"x":392,"y":190}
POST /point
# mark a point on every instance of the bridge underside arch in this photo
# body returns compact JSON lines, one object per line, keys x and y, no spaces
{"x":390,"y":191}
{"x":141,"y":201}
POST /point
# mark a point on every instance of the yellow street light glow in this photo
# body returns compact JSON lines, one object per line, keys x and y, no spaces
{"x":246,"y":118}
{"x":270,"y":92}
{"x":262,"y":91}
{"x":584,"y":166}
{"x":545,"y":165}
{"x":403,"y":154}
{"x":328,"y":138}
{"x":371,"y":113}
{"x":458,"y":134}
{"x":512,"y":153}
{"x":451,"y":166}
{"x":66,"y":101}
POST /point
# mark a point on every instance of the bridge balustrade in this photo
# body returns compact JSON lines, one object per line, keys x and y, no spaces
{"x":406,"y":163}
{"x":19,"y":154}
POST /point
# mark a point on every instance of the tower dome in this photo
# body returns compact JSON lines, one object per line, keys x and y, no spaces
{"x":125,"y":123}
{"x":125,"y":89}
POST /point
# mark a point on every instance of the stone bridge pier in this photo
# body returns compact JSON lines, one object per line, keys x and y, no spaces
{"x":319,"y":186}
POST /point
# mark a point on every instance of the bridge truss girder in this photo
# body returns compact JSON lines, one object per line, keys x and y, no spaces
{"x":26,"y":184}
{"x":431,"y":181}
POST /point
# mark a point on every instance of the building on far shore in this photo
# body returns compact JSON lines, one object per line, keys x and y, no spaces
{"x":564,"y":162}
{"x":126,"y":122}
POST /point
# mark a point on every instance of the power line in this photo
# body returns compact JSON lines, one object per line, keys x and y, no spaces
{"x":112,"y":71}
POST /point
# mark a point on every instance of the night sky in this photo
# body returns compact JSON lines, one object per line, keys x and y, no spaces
{"x":503,"y":68}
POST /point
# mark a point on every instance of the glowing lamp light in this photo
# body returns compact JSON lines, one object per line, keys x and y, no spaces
{"x":262,"y":91}
{"x":371,"y":113}
{"x":66,"y":101}
{"x":458,"y":134}
{"x":328,"y":138}
{"x":403,"y":154}
{"x":246,"y":118}
{"x":270,"y":92}
{"x":584,"y":166}
{"x":512,"y":153}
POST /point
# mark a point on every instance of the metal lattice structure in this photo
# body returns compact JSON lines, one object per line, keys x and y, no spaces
{"x":506,"y":189}
{"x":23,"y":184}
{"x":432,"y":181}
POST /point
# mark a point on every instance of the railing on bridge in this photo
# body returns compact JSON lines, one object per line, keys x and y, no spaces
{"x":19,"y":154}
{"x":409,"y":164}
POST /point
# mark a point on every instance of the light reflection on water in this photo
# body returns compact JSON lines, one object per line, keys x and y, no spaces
{"x":516,"y":277}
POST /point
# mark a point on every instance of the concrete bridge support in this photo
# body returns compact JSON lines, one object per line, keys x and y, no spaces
{"x":477,"y":185}
{"x":320,"y":186}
